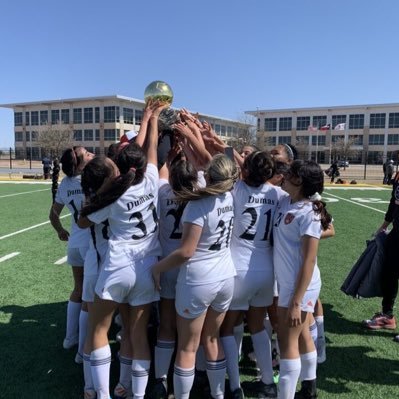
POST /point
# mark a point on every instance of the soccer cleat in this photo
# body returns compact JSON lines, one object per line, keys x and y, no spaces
{"x":237,"y":394}
{"x":264,"y":390}
{"x":78,"y":358}
{"x":321,"y":349}
{"x":380,"y":321}
{"x":70,"y":343}
{"x":308,"y":390}
{"x":159,"y":390}
{"x":120,"y":392}
{"x":89,"y":394}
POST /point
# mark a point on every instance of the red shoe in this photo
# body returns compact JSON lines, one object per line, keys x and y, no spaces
{"x":380,"y":321}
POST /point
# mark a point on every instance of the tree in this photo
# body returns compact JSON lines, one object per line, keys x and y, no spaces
{"x":53,"y":139}
{"x":246,"y":132}
{"x":342,"y":149}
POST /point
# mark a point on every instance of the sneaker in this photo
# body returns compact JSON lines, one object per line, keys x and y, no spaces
{"x":78,"y":358}
{"x":264,"y":390}
{"x":70,"y":343}
{"x":308,"y":390}
{"x":396,"y":338}
{"x":159,"y":390}
{"x":321,"y":349}
{"x":120,"y":392}
{"x":237,"y":394}
{"x":89,"y":394}
{"x":379,"y":321}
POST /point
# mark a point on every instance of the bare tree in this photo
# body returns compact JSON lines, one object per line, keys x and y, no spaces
{"x":53,"y":139}
{"x":342,"y":149}
{"x":246,"y":130}
{"x":303,"y":147}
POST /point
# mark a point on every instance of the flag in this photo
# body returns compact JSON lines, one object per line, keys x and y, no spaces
{"x":312,"y":128}
{"x":340,"y":126}
{"x":325,"y":127}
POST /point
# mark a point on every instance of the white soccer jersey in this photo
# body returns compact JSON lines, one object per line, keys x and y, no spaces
{"x":254,"y":209}
{"x":291,"y":223}
{"x":133,"y":221}
{"x":70,"y":194}
{"x":98,"y":246}
{"x":211,"y":261}
{"x":170,"y":213}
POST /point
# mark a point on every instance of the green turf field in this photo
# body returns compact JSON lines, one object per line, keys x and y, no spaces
{"x":34,"y":291}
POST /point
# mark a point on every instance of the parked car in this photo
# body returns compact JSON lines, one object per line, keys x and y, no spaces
{"x":343,"y":164}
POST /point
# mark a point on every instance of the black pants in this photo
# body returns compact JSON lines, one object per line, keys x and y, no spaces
{"x":390,"y":272}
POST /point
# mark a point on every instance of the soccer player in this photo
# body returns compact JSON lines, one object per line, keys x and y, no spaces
{"x":297,"y":229}
{"x":206,"y":278}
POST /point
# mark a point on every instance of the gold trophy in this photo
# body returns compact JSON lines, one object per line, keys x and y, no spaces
{"x":158,"y":91}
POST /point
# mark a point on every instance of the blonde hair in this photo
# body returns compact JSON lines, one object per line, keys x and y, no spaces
{"x":221,"y":175}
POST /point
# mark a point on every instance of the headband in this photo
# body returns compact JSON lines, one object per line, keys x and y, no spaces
{"x":289,"y":151}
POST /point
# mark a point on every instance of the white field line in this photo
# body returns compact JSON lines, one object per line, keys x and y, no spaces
{"x":356,"y":203}
{"x":61,"y":261}
{"x":28,"y":228}
{"x":9,"y":256}
{"x":26,"y":192}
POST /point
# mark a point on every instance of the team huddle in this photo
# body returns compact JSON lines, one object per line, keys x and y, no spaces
{"x":212,"y":237}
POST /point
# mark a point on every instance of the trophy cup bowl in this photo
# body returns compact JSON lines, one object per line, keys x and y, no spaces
{"x":158,"y":91}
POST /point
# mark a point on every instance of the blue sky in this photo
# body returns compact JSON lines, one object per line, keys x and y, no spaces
{"x":221,"y":57}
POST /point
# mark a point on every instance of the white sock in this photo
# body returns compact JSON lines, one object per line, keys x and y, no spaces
{"x":182,"y":382}
{"x":313,"y":332}
{"x":140,"y":372}
{"x":238,"y":335}
{"x":72,"y":326}
{"x":200,"y":361}
{"x":100,"y":361}
{"x":231,"y":352}
{"x":163,"y":353}
{"x":216,"y":372}
{"x":87,"y":372}
{"x":125,"y":372}
{"x":83,"y":318}
{"x":308,"y":366}
{"x":268,"y":326}
{"x":289,"y":373}
{"x":320,"y":325}
{"x":263,"y":353}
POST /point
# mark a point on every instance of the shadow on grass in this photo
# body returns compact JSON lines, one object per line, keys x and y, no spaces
{"x":33,"y":362}
{"x":354,"y":364}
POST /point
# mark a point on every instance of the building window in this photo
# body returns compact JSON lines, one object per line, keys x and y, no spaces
{"x":55,"y":116}
{"x":223,"y":130}
{"x":377,"y":121}
{"x":97,"y":151}
{"x":356,"y":139}
{"x":27,"y":120}
{"x":271,"y":141}
{"x":35,"y":118}
{"x":302,"y":122}
{"x":284,"y":140}
{"x":88,"y":115}
{"x":374,"y":157}
{"x":285,"y":124}
{"x":393,"y":121}
{"x":393,"y":139}
{"x":19,"y":136}
{"x":376,"y":139}
{"x":97,"y":115}
{"x":77,"y":135}
{"x":110,"y":135}
{"x":77,"y":115}
{"x":34,"y":136}
{"x":319,"y":140}
{"x":356,"y":121}
{"x":128,"y":115}
{"x":17,"y":118}
{"x":270,"y":124}
{"x":65,"y":116}
{"x":258,"y":124}
{"x":111,"y":114}
{"x":88,"y":135}
{"x":302,"y":140}
{"x":43,"y":117}
{"x":97,"y":134}
{"x":138,"y":116}
{"x":337,"y":119}
{"x":319,"y":121}
{"x":229,"y":130}
{"x":217,"y":128}
{"x":27,"y":136}
{"x":335,"y":139}
{"x":234,"y":131}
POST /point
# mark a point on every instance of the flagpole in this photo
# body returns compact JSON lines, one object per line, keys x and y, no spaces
{"x":329,"y":160}
{"x":317,"y":142}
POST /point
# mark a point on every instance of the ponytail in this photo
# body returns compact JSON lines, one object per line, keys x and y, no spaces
{"x":319,"y":207}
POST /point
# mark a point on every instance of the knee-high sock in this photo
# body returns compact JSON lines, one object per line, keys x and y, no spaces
{"x":72,"y":326}
{"x":83,"y":318}
{"x":125,"y":372}
{"x":162,"y":357}
{"x":100,"y":361}
{"x":313,"y":332}
{"x":238,"y":335}
{"x":87,"y":372}
{"x":140,"y":372}
{"x":308,"y":366}
{"x":183,"y":381}
{"x":289,"y":373}
{"x":263,"y":353}
{"x":231,"y":352}
{"x":216,"y":371}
